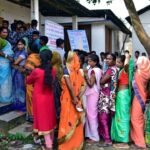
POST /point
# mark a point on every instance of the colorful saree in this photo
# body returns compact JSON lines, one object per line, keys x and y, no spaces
{"x":5,"y":73}
{"x":106,"y":104}
{"x":120,"y":127}
{"x":33,"y":61}
{"x":141,"y":79}
{"x":147,"y":125}
{"x":70,"y":134}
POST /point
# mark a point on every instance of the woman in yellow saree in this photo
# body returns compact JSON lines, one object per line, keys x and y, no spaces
{"x":70,"y":135}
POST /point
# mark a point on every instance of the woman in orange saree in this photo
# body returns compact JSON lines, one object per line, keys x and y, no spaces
{"x":142,"y":76}
{"x":33,"y":61}
{"x":70,"y":134}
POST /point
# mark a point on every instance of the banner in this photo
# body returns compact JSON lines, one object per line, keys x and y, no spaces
{"x":53,"y":31}
{"x":78,"y":40}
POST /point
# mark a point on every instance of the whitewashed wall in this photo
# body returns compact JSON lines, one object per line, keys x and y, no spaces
{"x":98,"y":38}
{"x":145,"y":19}
{"x":11,"y":11}
{"x":69,"y":19}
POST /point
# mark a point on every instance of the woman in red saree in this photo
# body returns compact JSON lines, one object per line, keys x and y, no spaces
{"x":70,"y":135}
{"x":142,"y":76}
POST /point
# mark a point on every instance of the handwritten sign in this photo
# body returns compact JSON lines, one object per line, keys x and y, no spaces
{"x":53,"y":31}
{"x":78,"y":40}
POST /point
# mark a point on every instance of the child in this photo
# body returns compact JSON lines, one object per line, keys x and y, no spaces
{"x":18,"y":78}
{"x":92,"y":94}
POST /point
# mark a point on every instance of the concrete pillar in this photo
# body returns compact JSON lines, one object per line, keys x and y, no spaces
{"x":74,"y":22}
{"x":35,"y":10}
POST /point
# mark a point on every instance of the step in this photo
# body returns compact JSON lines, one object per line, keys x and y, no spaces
{"x":21,"y":129}
{"x":5,"y":107}
{"x":11,"y":120}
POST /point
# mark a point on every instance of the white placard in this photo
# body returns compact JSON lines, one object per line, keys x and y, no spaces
{"x":53,"y":31}
{"x":78,"y":40}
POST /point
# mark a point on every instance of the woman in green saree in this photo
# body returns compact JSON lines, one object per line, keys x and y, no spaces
{"x":147,"y":119}
{"x":121,"y":122}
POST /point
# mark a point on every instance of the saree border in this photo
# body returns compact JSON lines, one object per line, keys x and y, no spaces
{"x":70,"y":133}
{"x":44,"y":132}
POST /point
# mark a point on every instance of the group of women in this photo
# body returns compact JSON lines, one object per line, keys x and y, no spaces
{"x":78,"y":97}
{"x":114,"y":102}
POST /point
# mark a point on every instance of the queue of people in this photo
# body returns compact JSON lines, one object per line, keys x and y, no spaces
{"x":84,"y":98}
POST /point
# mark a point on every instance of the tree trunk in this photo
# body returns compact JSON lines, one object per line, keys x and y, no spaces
{"x":137,"y":25}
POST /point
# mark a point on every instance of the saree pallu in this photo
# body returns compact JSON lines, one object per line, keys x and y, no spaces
{"x":5,"y":76}
{"x":32,"y":62}
{"x":29,"y":91}
{"x":70,"y":134}
{"x":121,"y":122}
{"x":19,"y":91}
{"x":147,"y":125}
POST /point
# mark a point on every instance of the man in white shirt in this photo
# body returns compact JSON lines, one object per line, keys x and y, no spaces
{"x":60,"y":48}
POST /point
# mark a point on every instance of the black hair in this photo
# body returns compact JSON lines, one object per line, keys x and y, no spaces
{"x":126,"y":51}
{"x":19,"y":22}
{"x":95,"y":58}
{"x":3,"y":28}
{"x":102,"y":53}
{"x":84,"y":53}
{"x":75,"y":50}
{"x":81,"y":57}
{"x":117,"y":54}
{"x":112,"y":55}
{"x":6,"y":21}
{"x":36,"y":32}
{"x":92,"y":52}
{"x":122,"y":58}
{"x":46,"y":57}
{"x":34,"y":22}
{"x":107,"y":53}
{"x":59,"y":42}
{"x":22,"y":41}
{"x":13,"y":26}
{"x":44,"y":39}
{"x":66,"y":55}
{"x":143,"y":54}
{"x":137,"y":52}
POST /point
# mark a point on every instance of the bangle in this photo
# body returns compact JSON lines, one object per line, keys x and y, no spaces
{"x":6,"y":55}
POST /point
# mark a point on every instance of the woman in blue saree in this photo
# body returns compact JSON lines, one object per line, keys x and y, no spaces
{"x":5,"y":67}
{"x":18,"y":77}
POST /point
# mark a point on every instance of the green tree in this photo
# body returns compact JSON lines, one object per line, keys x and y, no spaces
{"x":136,"y":23}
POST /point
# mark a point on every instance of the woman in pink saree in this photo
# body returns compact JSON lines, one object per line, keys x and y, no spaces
{"x":142,"y":76}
